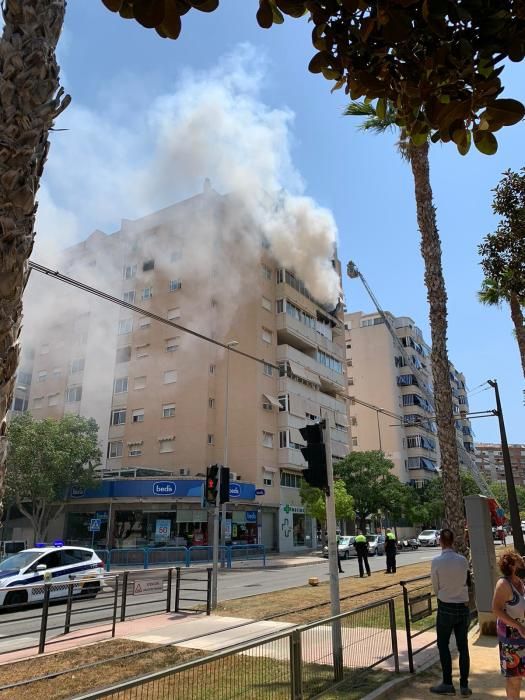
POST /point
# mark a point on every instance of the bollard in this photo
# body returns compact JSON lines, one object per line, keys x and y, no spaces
{"x":124,"y":596}
{"x":45,"y":613}
{"x":67,"y":624}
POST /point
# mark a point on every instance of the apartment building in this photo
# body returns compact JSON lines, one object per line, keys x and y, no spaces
{"x":390,"y":378}
{"x":159,"y":393}
{"x":489,"y":459}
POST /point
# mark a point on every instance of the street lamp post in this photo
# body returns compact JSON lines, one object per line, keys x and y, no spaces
{"x":514,"y":510}
{"x":229,"y":345}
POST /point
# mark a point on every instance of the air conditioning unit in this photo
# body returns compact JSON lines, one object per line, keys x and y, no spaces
{"x":184,"y":471}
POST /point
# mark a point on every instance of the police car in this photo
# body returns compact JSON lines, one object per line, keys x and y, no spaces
{"x":32,"y":568}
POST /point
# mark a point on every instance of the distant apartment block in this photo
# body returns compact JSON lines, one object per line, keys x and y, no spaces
{"x":489,"y":459}
{"x":159,"y":394}
{"x":395,"y":376}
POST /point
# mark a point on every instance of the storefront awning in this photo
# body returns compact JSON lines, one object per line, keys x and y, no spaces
{"x":272,"y":400}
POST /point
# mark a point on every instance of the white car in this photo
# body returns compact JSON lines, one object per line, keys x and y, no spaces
{"x":32,"y":568}
{"x":345,"y":547}
{"x":428,"y":538}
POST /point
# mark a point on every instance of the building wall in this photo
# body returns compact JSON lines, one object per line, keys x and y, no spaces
{"x":228,"y":291}
{"x":489,"y":459}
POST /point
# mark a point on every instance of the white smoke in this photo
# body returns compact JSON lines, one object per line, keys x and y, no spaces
{"x":214,"y":125}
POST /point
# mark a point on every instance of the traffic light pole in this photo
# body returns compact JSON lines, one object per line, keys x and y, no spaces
{"x":333,"y":568}
{"x":215,"y":553}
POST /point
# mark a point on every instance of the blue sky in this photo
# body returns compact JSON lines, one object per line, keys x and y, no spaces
{"x":115,"y":70}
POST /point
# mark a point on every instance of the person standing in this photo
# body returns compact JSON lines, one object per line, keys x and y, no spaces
{"x":361,"y":547}
{"x":450,"y":575}
{"x":390,"y":551}
{"x":338,"y":541}
{"x":508,"y":606}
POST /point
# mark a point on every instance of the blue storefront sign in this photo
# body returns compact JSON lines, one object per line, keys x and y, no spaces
{"x":251,"y":516}
{"x":155,"y":488}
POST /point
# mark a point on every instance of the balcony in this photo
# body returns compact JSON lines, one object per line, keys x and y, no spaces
{"x":291,"y":457}
{"x":292,"y":332}
{"x":329,"y":380}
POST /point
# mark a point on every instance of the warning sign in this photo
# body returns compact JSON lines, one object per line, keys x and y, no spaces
{"x":147,"y":586}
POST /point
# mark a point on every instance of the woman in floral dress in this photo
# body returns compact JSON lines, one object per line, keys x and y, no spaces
{"x":509,"y":607}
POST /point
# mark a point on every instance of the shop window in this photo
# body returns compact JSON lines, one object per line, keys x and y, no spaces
{"x":299,"y":529}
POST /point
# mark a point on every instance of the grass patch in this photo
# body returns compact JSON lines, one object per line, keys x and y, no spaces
{"x":357,"y":684}
{"x":288,"y":604}
{"x":84,"y":680}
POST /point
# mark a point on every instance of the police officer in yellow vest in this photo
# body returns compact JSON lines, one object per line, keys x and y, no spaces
{"x":361,"y":547}
{"x":390,"y":551}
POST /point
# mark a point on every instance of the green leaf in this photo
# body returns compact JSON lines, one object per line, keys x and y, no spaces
{"x":264,"y":14}
{"x":419,"y":139}
{"x":277,"y":16}
{"x":318,"y":62}
{"x":113,"y":5}
{"x":330,"y":73}
{"x":504,"y":112}
{"x":463,"y":141}
{"x":485,"y":142}
{"x":381,"y":108}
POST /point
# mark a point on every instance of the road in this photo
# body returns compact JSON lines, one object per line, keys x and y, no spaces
{"x":234,"y":583}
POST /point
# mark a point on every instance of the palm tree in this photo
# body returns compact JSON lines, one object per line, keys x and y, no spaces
{"x":417,"y":156}
{"x":503,"y":254}
{"x":30,"y":100}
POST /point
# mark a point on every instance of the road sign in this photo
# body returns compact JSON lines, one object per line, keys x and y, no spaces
{"x":260,"y":492}
{"x":94,"y":525}
{"x":147,"y":586}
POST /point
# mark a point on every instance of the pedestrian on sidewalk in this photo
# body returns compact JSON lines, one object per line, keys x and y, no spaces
{"x":390,"y":551}
{"x":450,"y":576}
{"x":361,"y":547}
{"x":508,"y":606}
{"x":340,"y":568}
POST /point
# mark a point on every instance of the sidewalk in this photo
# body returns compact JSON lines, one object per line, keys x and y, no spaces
{"x":486,"y":680}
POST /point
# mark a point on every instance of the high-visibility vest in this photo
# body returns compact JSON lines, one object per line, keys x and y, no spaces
{"x":360,"y":538}
{"x":390,"y":536}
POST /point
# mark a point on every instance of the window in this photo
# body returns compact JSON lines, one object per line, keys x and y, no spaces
{"x":267,"y":406}
{"x":329,"y":361}
{"x":142,"y":351}
{"x":267,"y":369}
{"x":170,"y":376}
{"x":173,"y":313}
{"x":311,"y":416}
{"x":77,"y":366}
{"x":20,"y":404}
{"x":148,"y":265}
{"x":124,"y":354}
{"x":284,"y":400}
{"x":267,"y":481}
{"x":279,"y":306}
{"x":349,"y":362}
{"x":172,"y":344}
{"x":280,"y":276}
{"x":144,"y":322}
{"x":42,"y":375}
{"x":284,"y":440}
{"x":267,"y":439}
{"x":354,"y":442}
{"x":121,"y":385}
{"x":266,"y":272}
{"x":52,"y":399}
{"x":168,"y":410}
{"x":212,"y":369}
{"x":291,"y":480}
{"x":211,"y":403}
{"x":139,"y":383}
{"x":350,"y":381}
{"x":147,"y":293}
{"x":125,"y":325}
{"x":129,"y":297}
{"x":44,"y":349}
{"x":211,"y":439}
{"x":134,"y":450}
{"x":175,"y":285}
{"x":118,"y":416}
{"x":353,"y":420}
{"x":38,"y":402}
{"x":73,"y":394}
{"x":267,"y":335}
{"x":266,"y":304}
{"x":137,"y":416}
{"x":129,"y":271}
{"x":166,"y":445}
{"x":24,"y":378}
{"x":57,"y":372}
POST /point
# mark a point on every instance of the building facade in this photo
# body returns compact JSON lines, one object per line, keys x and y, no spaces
{"x":489,"y":459}
{"x":390,"y":379}
{"x":159,"y":394}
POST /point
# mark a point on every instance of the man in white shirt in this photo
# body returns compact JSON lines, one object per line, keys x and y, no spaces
{"x":450,"y":574}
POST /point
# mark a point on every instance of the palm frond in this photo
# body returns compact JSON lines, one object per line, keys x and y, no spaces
{"x":490,"y":294}
{"x":372,"y":121}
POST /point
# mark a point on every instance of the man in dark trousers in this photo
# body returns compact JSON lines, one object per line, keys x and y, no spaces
{"x":361,"y":547}
{"x":390,"y":551}
{"x":338,"y":540}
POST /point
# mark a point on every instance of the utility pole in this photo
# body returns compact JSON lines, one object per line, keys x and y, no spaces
{"x":514,"y":510}
{"x":231,"y":344}
{"x":215,"y":552}
{"x":333,"y":568}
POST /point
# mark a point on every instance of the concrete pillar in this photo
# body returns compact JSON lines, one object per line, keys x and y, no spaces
{"x":483,"y":558}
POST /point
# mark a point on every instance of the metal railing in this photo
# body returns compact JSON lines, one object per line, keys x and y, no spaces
{"x":297,"y":664}
{"x":420,"y":612}
{"x":99,"y":604}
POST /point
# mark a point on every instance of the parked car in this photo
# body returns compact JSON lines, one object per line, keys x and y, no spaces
{"x":345,"y":547}
{"x":428,"y":538}
{"x":32,"y":567}
{"x":376,"y":544}
{"x":410,"y":543}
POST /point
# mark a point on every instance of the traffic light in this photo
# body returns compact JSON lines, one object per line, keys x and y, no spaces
{"x":315,"y":454}
{"x":212,"y":485}
{"x":225,"y":485}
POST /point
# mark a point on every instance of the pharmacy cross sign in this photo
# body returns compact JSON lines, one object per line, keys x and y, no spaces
{"x":287,"y":509}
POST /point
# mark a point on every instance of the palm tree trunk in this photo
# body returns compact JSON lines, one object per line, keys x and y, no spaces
{"x":517,"y":318}
{"x":30,"y":100}
{"x":437,"y":299}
